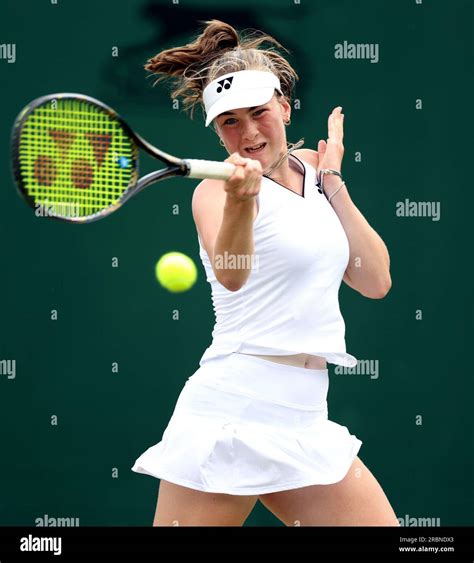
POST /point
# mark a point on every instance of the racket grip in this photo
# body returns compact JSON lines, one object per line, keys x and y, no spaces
{"x":209,"y":169}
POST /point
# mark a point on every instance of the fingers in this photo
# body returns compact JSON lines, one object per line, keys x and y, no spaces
{"x":244,"y":165}
{"x":321,"y":150}
{"x":236,"y":158}
{"x":245,"y":181}
{"x":336,"y":125}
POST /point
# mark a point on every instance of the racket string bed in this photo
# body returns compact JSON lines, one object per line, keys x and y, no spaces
{"x":74,"y":155}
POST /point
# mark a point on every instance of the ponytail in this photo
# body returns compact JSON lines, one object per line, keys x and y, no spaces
{"x":216,"y":51}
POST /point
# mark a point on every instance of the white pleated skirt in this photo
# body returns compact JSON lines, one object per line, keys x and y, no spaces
{"x":244,"y":425}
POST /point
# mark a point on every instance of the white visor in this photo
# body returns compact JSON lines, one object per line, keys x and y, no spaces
{"x":242,"y":89}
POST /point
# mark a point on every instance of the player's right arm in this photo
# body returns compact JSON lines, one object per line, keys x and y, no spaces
{"x":224,"y":213}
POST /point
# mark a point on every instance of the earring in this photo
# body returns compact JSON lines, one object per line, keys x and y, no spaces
{"x":288,"y":122}
{"x":221,"y":142}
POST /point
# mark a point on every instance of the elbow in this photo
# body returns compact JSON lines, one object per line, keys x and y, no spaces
{"x":381,"y":290}
{"x":231,"y":283}
{"x":233,"y":286}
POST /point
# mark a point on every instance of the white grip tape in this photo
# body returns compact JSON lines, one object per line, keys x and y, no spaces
{"x":210,"y":169}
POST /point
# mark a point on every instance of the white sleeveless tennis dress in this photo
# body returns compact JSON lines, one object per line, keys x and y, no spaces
{"x":246,"y":425}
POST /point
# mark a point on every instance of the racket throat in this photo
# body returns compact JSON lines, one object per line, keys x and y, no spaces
{"x":154,"y":177}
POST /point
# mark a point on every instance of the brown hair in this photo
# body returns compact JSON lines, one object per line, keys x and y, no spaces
{"x":218,"y":50}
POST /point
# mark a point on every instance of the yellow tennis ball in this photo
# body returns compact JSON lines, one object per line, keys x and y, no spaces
{"x":176,"y":272}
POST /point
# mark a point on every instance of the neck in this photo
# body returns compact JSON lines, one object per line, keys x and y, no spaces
{"x":281,"y":173}
{"x":281,"y":167}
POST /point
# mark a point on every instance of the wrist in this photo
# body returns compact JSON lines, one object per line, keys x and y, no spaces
{"x":234,"y":203}
{"x":338,"y":194}
{"x":331,"y":181}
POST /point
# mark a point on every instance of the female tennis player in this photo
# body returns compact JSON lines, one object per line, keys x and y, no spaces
{"x":276,"y":240}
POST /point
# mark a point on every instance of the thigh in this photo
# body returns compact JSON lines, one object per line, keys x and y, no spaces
{"x":357,"y":500}
{"x":182,"y":506}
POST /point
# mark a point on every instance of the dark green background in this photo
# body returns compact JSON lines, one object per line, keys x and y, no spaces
{"x":121,"y":314}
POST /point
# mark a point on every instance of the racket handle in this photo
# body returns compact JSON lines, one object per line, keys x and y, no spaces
{"x":209,"y":169}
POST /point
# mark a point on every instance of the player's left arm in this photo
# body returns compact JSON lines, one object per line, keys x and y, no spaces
{"x":368,"y":271}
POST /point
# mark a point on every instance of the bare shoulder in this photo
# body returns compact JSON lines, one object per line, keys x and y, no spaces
{"x":209,"y":198}
{"x":207,"y":204}
{"x":206,"y":187}
{"x":208,"y":193}
{"x":308,"y":155}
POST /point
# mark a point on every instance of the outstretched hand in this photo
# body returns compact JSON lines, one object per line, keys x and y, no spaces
{"x":330,"y":153}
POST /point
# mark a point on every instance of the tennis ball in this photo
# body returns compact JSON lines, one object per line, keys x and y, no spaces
{"x":176,"y":272}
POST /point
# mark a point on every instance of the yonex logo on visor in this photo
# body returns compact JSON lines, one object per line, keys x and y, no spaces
{"x":227,"y":83}
{"x":245,"y":88}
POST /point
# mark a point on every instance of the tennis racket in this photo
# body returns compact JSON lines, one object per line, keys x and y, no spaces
{"x":75,"y":159}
